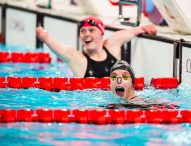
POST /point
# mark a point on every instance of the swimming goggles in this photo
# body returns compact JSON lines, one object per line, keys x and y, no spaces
{"x":89,"y":21}
{"x":119,"y":78}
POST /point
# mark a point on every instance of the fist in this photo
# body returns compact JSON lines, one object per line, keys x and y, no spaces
{"x":41,"y":33}
{"x":149,"y":29}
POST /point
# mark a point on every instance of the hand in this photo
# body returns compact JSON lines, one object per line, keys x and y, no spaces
{"x":41,"y":33}
{"x":149,"y":29}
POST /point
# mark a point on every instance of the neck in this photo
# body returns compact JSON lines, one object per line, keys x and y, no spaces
{"x":131,"y":94}
{"x":97,"y":54}
{"x":131,"y":97}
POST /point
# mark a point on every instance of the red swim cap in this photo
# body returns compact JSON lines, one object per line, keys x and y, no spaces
{"x":93,"y":21}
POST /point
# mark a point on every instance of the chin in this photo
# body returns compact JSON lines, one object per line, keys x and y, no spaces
{"x":120,"y":95}
{"x":90,"y":48}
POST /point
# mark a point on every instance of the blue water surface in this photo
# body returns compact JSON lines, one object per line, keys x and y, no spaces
{"x":35,"y":70}
{"x":38,"y":98}
{"x":51,"y":134}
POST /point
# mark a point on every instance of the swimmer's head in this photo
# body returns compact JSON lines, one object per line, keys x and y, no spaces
{"x":123,"y":65}
{"x":92,"y":21}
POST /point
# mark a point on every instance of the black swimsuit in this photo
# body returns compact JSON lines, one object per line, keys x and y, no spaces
{"x":147,"y":106}
{"x":99,"y":68}
{"x":141,"y":106}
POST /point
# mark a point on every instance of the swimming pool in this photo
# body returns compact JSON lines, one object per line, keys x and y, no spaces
{"x":38,"y":133}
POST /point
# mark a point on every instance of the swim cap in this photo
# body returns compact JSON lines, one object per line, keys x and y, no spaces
{"x":123,"y":65}
{"x":92,"y":21}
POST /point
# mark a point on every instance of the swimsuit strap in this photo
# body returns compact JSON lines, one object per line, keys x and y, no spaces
{"x":84,"y":53}
{"x":133,"y":97}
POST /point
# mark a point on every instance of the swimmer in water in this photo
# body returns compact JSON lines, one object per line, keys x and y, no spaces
{"x":122,"y":79}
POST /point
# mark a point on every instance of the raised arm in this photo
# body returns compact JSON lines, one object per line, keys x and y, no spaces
{"x":118,"y":38}
{"x":71,"y":56}
{"x":64,"y":52}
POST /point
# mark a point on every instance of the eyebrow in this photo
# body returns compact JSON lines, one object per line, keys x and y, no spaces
{"x":126,"y":73}
{"x":113,"y":74}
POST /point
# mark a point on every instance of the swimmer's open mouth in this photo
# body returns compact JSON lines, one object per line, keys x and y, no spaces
{"x":119,"y":90}
{"x":88,"y":40}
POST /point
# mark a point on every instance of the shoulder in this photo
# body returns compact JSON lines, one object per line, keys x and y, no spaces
{"x":113,"y":47}
{"x":139,"y":100}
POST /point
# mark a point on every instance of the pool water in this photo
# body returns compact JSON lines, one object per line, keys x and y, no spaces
{"x":49,"y":134}
{"x":90,"y":135}
{"x":34,"y":98}
{"x":35,"y":70}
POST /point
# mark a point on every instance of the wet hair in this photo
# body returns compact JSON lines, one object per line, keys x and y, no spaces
{"x":123,"y":65}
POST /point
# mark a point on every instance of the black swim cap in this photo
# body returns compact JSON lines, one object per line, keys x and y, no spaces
{"x":123,"y":65}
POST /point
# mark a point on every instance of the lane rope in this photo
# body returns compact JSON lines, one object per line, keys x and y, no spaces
{"x":27,"y":57}
{"x":96,"y":116}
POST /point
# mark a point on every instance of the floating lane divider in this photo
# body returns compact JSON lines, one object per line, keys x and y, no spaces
{"x":62,"y":83}
{"x":96,"y":116}
{"x":164,"y":83}
{"x":28,"y":57}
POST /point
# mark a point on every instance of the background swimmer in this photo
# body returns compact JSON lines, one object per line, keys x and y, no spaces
{"x":98,"y":55}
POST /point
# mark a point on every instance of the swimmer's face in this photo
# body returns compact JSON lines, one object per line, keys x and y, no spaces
{"x":91,"y":37}
{"x":121,"y":83}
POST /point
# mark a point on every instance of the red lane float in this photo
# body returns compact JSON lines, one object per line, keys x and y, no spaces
{"x":45,"y":115}
{"x":62,"y":83}
{"x":76,"y":83}
{"x":135,"y":116}
{"x":96,"y":116}
{"x":14,"y":82}
{"x":171,"y":116}
{"x":45,"y":83}
{"x":154,"y":116}
{"x":8,"y":115}
{"x":117,"y":116}
{"x":104,"y":83}
{"x":186,"y":115}
{"x":4,"y":57}
{"x":139,"y":83}
{"x":28,"y":57}
{"x":29,"y":82}
{"x":2,"y":82}
{"x":91,"y":83}
{"x":25,"y":115}
{"x":81,"y":116}
{"x":44,"y":57}
{"x":31,"y":57}
{"x":62,"y":115}
{"x":164,"y":83}
{"x":17,"y":57}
